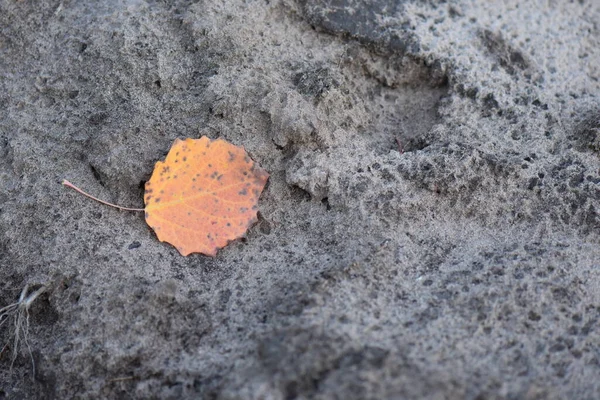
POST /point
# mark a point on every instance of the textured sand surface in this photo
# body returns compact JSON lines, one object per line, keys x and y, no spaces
{"x":430,"y":228}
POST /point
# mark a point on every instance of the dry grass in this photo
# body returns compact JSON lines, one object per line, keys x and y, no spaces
{"x":18,"y":314}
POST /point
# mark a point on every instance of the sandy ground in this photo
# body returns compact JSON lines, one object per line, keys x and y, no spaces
{"x":430,"y":228}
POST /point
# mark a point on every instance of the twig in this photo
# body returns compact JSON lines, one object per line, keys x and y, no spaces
{"x":124,"y":378}
{"x":400,"y":147}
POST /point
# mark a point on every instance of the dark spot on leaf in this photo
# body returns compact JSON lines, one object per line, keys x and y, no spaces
{"x":243,"y":192}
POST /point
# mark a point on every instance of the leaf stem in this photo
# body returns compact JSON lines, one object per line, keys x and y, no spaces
{"x":69,"y":184}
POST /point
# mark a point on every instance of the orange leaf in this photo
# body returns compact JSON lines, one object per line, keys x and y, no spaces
{"x":203,"y":195}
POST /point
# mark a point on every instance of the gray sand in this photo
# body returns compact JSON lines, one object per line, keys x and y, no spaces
{"x":430,"y":228}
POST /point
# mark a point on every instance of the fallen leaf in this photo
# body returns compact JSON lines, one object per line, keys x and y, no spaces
{"x":204,"y":195}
